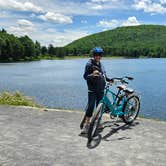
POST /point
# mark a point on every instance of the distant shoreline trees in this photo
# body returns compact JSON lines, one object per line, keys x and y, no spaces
{"x":23,"y":48}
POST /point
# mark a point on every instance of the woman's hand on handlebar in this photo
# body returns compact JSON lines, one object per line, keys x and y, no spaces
{"x":96,"y":73}
{"x":111,"y":81}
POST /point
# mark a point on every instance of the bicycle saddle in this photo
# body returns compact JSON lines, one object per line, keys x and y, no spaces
{"x":125,"y":89}
{"x":129,"y":90}
{"x":121,"y":87}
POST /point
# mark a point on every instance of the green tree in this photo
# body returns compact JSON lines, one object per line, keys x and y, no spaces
{"x":44,"y":50}
{"x":18,"y":50}
{"x":60,"y":52}
{"x":29,"y":46}
{"x":51,"y":50}
{"x":37,"y":48}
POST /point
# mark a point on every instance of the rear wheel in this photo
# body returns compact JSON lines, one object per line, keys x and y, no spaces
{"x":131,"y":109}
{"x":95,"y":122}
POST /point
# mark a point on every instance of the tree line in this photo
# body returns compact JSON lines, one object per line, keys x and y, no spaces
{"x":23,"y":48}
{"x":130,"y":52}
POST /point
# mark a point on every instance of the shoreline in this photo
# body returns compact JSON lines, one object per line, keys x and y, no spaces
{"x":78,"y":57}
{"x":46,"y":109}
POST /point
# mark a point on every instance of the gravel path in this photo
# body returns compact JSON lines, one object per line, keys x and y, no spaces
{"x":31,"y":137}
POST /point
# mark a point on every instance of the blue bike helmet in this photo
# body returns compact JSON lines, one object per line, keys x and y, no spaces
{"x":97,"y":51}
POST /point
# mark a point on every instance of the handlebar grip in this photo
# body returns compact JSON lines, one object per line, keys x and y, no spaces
{"x":129,"y":78}
{"x":125,"y":82}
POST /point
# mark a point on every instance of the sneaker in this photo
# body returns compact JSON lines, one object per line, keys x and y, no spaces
{"x":85,"y":129}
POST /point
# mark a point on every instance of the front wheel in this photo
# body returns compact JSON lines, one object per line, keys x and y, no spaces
{"x":131,"y":109}
{"x":95,"y":122}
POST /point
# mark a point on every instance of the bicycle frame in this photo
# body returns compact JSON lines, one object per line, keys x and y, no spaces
{"x":116,"y":110}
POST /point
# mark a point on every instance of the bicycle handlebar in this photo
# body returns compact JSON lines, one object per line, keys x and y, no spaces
{"x":129,"y":78}
{"x":125,"y":82}
{"x":122,"y":79}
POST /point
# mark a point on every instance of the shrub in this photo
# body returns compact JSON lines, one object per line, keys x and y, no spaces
{"x":17,"y":98}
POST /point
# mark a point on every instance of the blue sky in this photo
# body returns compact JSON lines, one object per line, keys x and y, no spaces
{"x":60,"y":22}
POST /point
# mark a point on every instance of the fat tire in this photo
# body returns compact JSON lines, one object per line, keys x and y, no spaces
{"x":92,"y":124}
{"x":124,"y":107}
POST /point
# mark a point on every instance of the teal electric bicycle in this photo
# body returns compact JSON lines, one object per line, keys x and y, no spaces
{"x":124,"y":104}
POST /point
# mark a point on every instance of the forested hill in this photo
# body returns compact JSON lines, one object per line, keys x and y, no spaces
{"x":133,"y":41}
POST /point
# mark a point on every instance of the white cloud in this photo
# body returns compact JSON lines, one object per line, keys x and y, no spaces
{"x":108,"y":24}
{"x":24,"y":23}
{"x":71,"y":8}
{"x":71,"y":35}
{"x":102,"y":1}
{"x":57,"y":38}
{"x":90,"y":7}
{"x":131,"y":21}
{"x":163,"y":2}
{"x":97,"y":7}
{"x":106,"y":4}
{"x":16,"y":30}
{"x":150,"y":6}
{"x":23,"y":27}
{"x":30,"y":7}
{"x":49,"y":35}
{"x":20,"y":6}
{"x":66,"y":7}
{"x":56,"y":18}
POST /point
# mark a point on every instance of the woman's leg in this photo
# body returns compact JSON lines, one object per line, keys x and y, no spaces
{"x":99,"y":96}
{"x":89,"y":111}
{"x":91,"y":104}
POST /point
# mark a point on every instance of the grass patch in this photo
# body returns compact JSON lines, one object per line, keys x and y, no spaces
{"x":17,"y":99}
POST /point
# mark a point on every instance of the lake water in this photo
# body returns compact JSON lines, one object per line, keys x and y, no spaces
{"x":59,"y":83}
